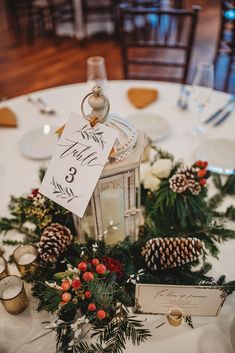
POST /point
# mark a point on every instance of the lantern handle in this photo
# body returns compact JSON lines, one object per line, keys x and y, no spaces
{"x":98,"y":102}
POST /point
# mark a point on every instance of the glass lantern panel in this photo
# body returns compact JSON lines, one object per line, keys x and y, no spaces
{"x":88,"y":223}
{"x":112,"y":207}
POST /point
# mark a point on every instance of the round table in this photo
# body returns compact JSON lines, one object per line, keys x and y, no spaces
{"x":20,"y":174}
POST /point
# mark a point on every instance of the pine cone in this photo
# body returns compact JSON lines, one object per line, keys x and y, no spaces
{"x":178,"y":183}
{"x":188,"y":171}
{"x":162,"y":253}
{"x":195,"y":189}
{"x":55,"y":239}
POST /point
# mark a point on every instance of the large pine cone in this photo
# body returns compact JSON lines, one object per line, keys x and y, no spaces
{"x":162,"y":253}
{"x":55,"y":239}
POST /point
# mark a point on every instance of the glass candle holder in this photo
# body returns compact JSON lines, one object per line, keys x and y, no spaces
{"x":175,"y":317}
{"x":12,"y":294}
{"x":25,"y":258}
{"x":96,"y":72}
{"x":3,"y":268}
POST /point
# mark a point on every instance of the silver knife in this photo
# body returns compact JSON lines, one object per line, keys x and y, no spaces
{"x":226,"y":105}
{"x":225,"y":116}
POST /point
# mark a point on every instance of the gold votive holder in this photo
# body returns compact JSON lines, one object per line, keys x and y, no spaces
{"x":26,"y":258}
{"x":12,"y":294}
{"x":3,"y":268}
{"x":175,"y":317}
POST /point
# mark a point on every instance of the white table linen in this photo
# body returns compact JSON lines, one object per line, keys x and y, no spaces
{"x":20,"y":174}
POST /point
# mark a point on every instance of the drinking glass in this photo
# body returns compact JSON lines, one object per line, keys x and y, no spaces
{"x":202,"y":88}
{"x":96,"y":72}
{"x":25,"y":258}
{"x":12,"y":294}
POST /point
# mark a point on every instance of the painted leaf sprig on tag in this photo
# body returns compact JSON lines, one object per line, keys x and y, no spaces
{"x":63,"y":192}
{"x":90,"y":133}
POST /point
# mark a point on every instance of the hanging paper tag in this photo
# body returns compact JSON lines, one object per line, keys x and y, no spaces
{"x":77,"y":163}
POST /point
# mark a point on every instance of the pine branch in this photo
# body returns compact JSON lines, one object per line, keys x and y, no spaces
{"x":217,"y":181}
{"x":7,"y":224}
{"x":230,"y":213}
{"x":41,"y":173}
{"x":162,"y":154}
{"x":49,"y":298}
{"x":13,"y":242}
{"x":216,"y":200}
{"x":189,"y":321}
{"x":121,"y":328}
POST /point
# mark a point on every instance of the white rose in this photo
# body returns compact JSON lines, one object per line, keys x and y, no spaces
{"x":144,"y":171}
{"x":151,"y":182}
{"x":162,"y":168}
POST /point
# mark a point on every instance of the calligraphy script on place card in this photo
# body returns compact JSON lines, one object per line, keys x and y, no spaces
{"x":77,"y":163}
{"x":192,"y":300}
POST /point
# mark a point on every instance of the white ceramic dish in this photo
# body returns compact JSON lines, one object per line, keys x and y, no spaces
{"x":220,"y":154}
{"x":155,"y":127}
{"x":39,"y":143}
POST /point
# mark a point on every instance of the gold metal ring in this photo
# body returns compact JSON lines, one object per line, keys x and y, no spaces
{"x":175,"y":317}
{"x":87,"y":96}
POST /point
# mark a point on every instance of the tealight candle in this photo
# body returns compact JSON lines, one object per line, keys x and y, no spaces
{"x":13,"y":295}
{"x":25,"y":258}
{"x":3,"y":268}
{"x":175,"y":317}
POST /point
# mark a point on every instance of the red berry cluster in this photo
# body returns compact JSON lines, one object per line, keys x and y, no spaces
{"x":202,"y":171}
{"x":78,"y":286}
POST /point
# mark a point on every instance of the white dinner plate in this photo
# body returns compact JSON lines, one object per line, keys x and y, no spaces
{"x":219,"y":153}
{"x":39,"y":143}
{"x":155,"y":127}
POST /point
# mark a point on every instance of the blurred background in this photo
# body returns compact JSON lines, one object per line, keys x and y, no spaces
{"x":45,"y":43}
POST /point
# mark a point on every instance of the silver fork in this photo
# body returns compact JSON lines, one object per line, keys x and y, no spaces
{"x":48,"y":108}
{"x":43,"y":107}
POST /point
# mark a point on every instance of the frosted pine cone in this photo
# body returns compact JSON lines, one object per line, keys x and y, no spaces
{"x":162,"y":253}
{"x":55,"y":239}
{"x":178,"y":183}
{"x":187,"y":171}
{"x":195,"y":189}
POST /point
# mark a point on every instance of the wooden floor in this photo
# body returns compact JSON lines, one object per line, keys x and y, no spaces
{"x":53,"y":62}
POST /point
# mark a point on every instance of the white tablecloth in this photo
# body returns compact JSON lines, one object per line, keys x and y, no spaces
{"x":20,"y":174}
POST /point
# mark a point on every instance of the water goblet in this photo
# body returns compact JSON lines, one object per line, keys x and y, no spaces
{"x":202,"y":88}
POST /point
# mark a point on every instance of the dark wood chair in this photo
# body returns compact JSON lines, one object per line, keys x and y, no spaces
{"x":150,"y":37}
{"x":99,"y":11}
{"x":62,"y":11}
{"x":25,"y":17}
{"x":160,"y":4}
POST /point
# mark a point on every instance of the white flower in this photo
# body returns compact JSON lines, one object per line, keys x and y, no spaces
{"x":95,"y":247}
{"x":71,"y":343}
{"x":151,"y":182}
{"x":30,"y":226}
{"x":53,"y":285}
{"x":162,"y":168}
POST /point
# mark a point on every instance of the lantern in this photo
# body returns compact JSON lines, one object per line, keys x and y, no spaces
{"x":114,"y":208}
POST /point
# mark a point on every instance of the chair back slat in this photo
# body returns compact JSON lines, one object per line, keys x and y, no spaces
{"x":146,"y":31}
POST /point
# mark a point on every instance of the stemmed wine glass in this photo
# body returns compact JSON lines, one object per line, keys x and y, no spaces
{"x":202,"y":88}
{"x":96,"y":72}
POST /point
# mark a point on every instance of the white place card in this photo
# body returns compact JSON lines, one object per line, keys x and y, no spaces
{"x":77,"y":163}
{"x":192,"y":300}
